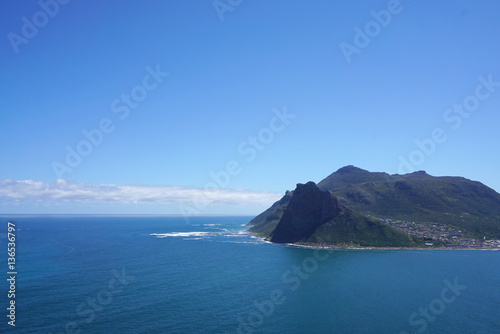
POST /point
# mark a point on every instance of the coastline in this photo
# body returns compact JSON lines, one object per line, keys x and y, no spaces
{"x":320,"y":246}
{"x":315,"y":246}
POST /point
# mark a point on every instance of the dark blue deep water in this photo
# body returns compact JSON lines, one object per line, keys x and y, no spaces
{"x":85,"y":274}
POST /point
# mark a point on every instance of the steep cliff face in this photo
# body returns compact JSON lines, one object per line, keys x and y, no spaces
{"x":307,"y":210}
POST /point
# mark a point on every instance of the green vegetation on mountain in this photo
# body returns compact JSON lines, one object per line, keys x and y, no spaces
{"x":353,"y":229}
{"x":419,"y":197}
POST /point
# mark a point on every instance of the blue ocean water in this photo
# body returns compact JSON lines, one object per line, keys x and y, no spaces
{"x":90,"y":274}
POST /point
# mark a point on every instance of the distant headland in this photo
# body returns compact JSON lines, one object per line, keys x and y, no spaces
{"x":355,"y":208}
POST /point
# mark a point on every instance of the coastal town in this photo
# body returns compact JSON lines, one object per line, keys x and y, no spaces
{"x":441,"y":235}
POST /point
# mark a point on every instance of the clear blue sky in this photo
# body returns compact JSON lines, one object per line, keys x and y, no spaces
{"x":225,"y":78}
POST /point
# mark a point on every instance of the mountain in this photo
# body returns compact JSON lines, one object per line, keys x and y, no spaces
{"x":347,"y":208}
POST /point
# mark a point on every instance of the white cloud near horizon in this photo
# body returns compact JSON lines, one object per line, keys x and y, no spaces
{"x":63,"y":191}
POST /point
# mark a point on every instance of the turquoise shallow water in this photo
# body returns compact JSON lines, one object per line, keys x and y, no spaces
{"x":166,"y":275}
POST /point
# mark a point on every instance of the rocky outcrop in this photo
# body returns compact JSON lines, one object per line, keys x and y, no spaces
{"x":308,"y":209}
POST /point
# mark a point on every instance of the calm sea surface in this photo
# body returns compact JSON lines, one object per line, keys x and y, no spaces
{"x":86,"y":274}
